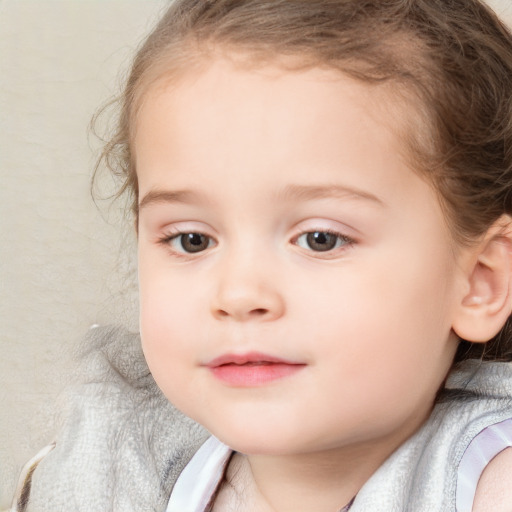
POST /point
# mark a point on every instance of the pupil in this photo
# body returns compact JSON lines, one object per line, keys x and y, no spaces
{"x":194,"y":242}
{"x":321,"y":241}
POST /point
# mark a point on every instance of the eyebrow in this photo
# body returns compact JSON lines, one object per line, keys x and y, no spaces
{"x":308,"y":192}
{"x":290,"y":192}
{"x":168,"y":196}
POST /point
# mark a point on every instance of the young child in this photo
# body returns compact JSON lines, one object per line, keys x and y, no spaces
{"x":322,"y":192}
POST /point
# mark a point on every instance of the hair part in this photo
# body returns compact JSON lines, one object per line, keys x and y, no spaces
{"x":448,"y":63}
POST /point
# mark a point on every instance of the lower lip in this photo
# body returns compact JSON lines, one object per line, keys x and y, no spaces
{"x":251,"y":375}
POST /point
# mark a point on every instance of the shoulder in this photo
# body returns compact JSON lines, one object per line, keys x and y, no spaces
{"x":494,"y":490}
{"x":116,"y":432}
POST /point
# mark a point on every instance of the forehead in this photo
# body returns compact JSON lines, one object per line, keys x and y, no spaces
{"x":207,"y":100}
{"x":227,"y":128}
{"x":239,"y":138}
{"x":396,"y":100}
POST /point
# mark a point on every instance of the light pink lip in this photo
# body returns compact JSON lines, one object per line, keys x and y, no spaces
{"x":250,"y":357}
{"x":251,"y":369}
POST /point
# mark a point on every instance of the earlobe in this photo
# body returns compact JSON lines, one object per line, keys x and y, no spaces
{"x":486,"y":306}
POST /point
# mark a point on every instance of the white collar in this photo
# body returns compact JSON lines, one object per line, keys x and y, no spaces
{"x":199,"y":480}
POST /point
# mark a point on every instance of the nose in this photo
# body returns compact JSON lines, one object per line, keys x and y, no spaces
{"x":247,"y":291}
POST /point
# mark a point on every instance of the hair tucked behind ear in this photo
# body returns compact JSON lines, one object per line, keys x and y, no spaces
{"x":449,"y":62}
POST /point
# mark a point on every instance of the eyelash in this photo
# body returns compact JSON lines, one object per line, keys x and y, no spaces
{"x":168,"y":239}
{"x":342,"y":242}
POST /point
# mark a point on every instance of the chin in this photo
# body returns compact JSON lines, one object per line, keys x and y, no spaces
{"x":251,"y":439}
{"x":256,"y":445}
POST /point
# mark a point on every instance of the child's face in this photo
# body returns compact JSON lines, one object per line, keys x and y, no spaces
{"x":314,"y":253}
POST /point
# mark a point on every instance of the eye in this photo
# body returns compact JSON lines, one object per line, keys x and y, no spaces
{"x":322,"y":241}
{"x":190,"y":242}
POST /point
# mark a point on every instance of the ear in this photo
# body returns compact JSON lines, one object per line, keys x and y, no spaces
{"x":485,"y":308}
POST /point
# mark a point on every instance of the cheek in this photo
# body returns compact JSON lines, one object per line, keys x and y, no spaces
{"x":166,"y":325}
{"x":384,"y":324}
{"x":168,"y":300}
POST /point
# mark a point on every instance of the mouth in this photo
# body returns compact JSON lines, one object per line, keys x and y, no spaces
{"x":252,"y":369}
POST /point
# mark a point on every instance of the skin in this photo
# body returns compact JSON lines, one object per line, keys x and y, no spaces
{"x":266,"y":157}
{"x":494,"y":493}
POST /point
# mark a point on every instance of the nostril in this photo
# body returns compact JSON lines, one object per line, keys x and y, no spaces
{"x":259,"y":311}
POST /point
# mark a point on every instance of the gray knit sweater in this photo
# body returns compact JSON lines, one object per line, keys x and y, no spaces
{"x":121,"y":445}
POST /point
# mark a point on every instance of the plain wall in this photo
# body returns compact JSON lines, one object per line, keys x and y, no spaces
{"x":65,"y":262}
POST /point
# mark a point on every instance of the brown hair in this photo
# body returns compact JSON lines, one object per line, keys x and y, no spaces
{"x":452,"y":57}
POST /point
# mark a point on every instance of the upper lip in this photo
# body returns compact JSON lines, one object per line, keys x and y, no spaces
{"x":250,"y":357}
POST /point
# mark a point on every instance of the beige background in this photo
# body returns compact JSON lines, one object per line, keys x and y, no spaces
{"x":63,"y":259}
{"x":65,"y":263}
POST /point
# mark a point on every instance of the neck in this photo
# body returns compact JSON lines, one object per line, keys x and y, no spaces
{"x":300,"y":483}
{"x":322,"y":481}
{"x":305,"y":483}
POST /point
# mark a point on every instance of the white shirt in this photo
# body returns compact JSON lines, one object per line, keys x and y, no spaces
{"x":201,"y":477}
{"x":199,"y":480}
